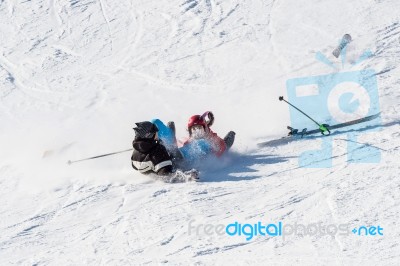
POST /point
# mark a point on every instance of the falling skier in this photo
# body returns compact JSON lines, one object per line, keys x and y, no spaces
{"x":199,"y":129}
{"x":150,"y":155}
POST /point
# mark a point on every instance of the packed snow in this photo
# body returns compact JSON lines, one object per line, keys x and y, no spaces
{"x":76,"y":75}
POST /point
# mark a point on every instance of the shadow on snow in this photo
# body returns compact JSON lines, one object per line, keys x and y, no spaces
{"x":236,"y":167}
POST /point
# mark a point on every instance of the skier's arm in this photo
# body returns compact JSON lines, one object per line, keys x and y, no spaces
{"x":209,"y":118}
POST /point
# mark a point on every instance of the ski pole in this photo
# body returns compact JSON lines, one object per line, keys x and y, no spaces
{"x":322,"y":127}
{"x":98,"y":156}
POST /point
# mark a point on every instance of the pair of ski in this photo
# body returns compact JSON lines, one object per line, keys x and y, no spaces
{"x":323,"y":129}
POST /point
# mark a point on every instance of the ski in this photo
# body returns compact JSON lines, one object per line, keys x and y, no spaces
{"x":345,"y":124}
{"x":295,"y":134}
{"x":346,"y":39}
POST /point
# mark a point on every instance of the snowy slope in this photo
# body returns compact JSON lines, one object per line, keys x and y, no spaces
{"x":75,"y":76}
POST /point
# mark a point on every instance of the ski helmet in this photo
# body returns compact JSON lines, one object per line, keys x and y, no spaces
{"x":196,"y":120}
{"x":145,"y":130}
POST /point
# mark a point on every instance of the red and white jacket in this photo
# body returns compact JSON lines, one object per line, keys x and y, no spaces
{"x":217,"y":144}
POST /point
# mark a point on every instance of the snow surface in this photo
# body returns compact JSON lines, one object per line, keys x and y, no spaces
{"x":75,"y":76}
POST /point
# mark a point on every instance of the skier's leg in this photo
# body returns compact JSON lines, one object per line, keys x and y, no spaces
{"x":177,"y":158}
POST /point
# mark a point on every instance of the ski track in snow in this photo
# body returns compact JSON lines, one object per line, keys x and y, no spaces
{"x":75,"y":75}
